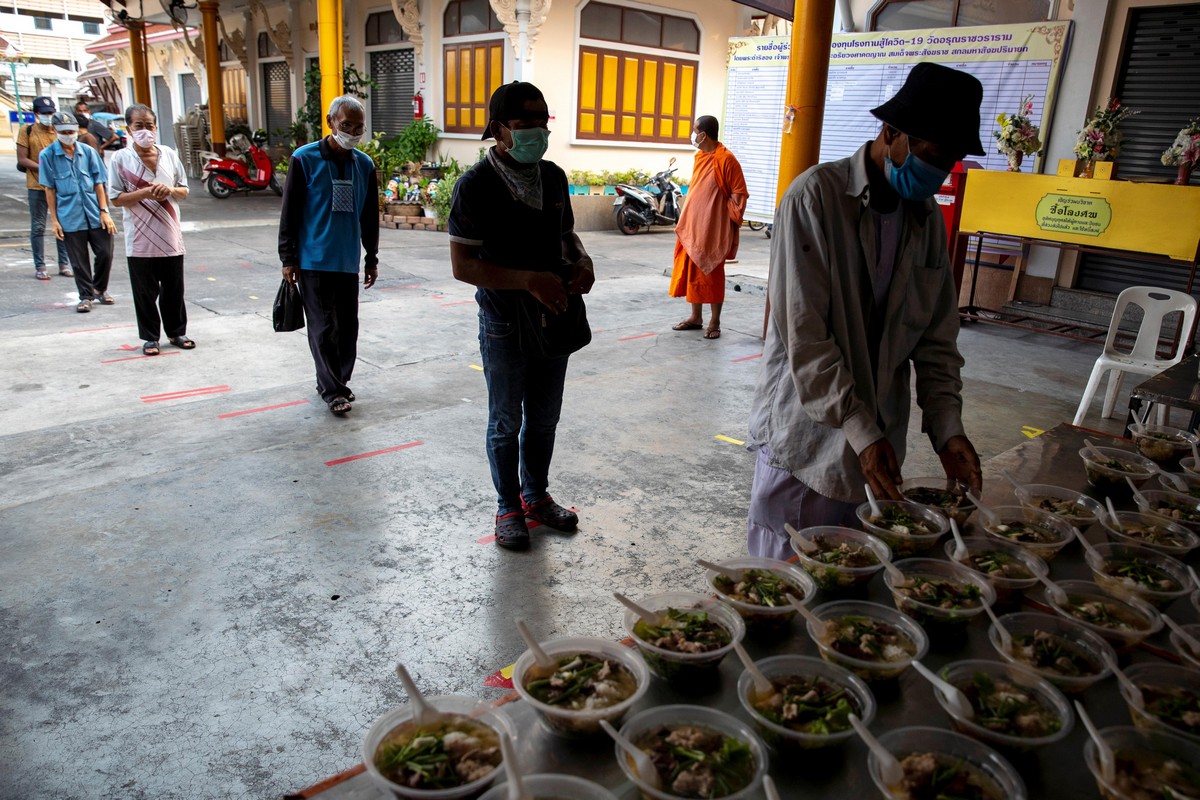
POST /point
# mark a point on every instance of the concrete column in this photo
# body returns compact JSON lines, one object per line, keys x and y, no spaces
{"x":329,"y":34}
{"x":808,"y":72}
{"x":137,"y":57}
{"x":209,"y":10}
{"x":522,"y":39}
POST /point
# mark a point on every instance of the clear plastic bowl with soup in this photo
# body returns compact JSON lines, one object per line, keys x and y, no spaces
{"x":1115,"y":465}
{"x":1123,"y":622}
{"x":695,"y":728}
{"x":1182,"y":509}
{"x":1060,"y":649}
{"x":895,"y":639}
{"x":1148,"y":764}
{"x":1010,"y":568}
{"x":1162,"y":444}
{"x":940,"y":593}
{"x":1151,"y":530}
{"x":1170,"y":698}
{"x":382,"y":747}
{"x":962,"y":766}
{"x":1132,"y":570}
{"x":1041,"y":532}
{"x":553,"y":786}
{"x":606,"y":682}
{"x":1189,"y":466}
{"x":685,"y":667}
{"x":1013,"y":708}
{"x":761,"y":596}
{"x":1190,"y":657}
{"x":791,"y":726}
{"x":1170,"y":482}
{"x":907,"y":528}
{"x":1074,"y":507}
{"x":946,"y":496}
{"x":845,"y":559}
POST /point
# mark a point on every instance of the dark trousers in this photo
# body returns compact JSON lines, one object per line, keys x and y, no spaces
{"x":37,"y":232}
{"x":91,"y":282}
{"x":157,"y":284}
{"x":331,"y":318}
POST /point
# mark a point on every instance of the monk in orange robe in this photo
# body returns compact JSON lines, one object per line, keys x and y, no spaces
{"x":707,"y":233}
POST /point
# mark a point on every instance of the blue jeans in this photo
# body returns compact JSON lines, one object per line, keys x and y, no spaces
{"x":524,"y":400}
{"x":37,"y":232}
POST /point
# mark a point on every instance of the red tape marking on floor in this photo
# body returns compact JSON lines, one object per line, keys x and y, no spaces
{"x":137,"y":358}
{"x":109,"y":328}
{"x":497,"y":681}
{"x":639,"y":336}
{"x":186,"y":393}
{"x":458,"y":303}
{"x":747,"y":358}
{"x":337,"y":461}
{"x":263,"y":408}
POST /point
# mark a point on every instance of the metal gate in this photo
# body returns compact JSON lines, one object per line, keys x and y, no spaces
{"x":164,"y":112}
{"x":277,"y":97}
{"x":391,"y":99}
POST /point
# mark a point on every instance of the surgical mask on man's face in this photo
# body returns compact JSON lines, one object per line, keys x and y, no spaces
{"x":144,"y":138}
{"x":696,"y":139}
{"x":67,"y":139}
{"x":44,"y":118}
{"x":347,"y":141}
{"x":915,"y":179}
{"x":529,"y":144}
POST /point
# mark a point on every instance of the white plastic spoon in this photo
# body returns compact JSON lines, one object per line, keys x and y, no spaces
{"x":649,"y":617}
{"x":641,"y":761}
{"x":960,"y":547}
{"x":1195,"y":578}
{"x":957,"y":701}
{"x":1123,"y":679}
{"x":769,"y":788}
{"x":889,"y":768}
{"x":1108,"y":763}
{"x":1138,"y":496}
{"x":1011,"y":479}
{"x":1196,"y":455}
{"x":516,"y":787}
{"x":817,"y":623}
{"x":1006,"y":640}
{"x":875,"y":512}
{"x":424,"y":714}
{"x":1187,"y":638}
{"x":728,"y":572}
{"x":1139,"y":423}
{"x":1053,"y":589}
{"x":539,"y":655}
{"x":991,"y":519}
{"x":801,"y":542}
{"x":1112,"y":512}
{"x":762,"y":684}
{"x":1179,"y":483}
{"x":1096,"y":454}
{"x":1087,"y":546}
{"x":899,"y":579}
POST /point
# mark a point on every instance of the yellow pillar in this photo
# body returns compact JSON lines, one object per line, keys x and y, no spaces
{"x":137,"y":56}
{"x":808,"y":72}
{"x":209,"y":10}
{"x":329,"y":35}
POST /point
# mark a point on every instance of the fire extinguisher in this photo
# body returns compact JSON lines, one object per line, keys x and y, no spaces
{"x":418,"y":106}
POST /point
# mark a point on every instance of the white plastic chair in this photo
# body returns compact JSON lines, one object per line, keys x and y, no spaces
{"x":1143,"y":359}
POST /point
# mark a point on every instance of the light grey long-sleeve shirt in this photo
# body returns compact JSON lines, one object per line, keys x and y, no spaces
{"x":819,"y":401}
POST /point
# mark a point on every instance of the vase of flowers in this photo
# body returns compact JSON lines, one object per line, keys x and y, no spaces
{"x":1184,"y":152}
{"x":1100,"y":138}
{"x":1018,"y":136}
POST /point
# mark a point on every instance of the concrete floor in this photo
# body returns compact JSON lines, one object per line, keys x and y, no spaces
{"x":198,"y":605}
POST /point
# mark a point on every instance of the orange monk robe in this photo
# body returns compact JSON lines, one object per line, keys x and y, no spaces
{"x":707,"y":233}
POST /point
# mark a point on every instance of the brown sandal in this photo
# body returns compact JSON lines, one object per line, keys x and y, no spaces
{"x":687,"y":325}
{"x":712,"y":333}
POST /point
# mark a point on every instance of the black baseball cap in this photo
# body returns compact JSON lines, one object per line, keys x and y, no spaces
{"x":43,"y":105}
{"x":937,"y":104}
{"x":508,"y":102}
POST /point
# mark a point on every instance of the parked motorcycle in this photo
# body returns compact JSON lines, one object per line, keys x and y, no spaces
{"x":250,"y":172}
{"x":659,"y":202}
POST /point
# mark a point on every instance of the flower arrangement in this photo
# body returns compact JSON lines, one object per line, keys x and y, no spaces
{"x":1017,"y":132}
{"x":1100,"y":139}
{"x":1185,"y":150}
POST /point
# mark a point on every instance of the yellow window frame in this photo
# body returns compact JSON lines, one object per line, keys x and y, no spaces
{"x":635,"y":97}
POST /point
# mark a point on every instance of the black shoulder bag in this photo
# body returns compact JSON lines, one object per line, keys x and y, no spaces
{"x":543,"y":334}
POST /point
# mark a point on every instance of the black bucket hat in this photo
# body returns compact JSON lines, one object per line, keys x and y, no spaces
{"x":508,"y":102}
{"x":937,"y":104}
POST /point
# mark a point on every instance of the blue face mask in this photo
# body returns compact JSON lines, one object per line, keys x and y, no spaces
{"x":914,"y":179}
{"x":529,"y":144}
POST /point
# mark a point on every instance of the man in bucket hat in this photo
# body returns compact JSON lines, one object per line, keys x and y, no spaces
{"x":861,"y":286}
{"x":31,"y":141}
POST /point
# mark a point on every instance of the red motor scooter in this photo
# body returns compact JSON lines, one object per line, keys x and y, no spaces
{"x":224,"y":175}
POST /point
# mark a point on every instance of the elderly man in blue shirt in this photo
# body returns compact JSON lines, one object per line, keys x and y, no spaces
{"x":74,"y":176}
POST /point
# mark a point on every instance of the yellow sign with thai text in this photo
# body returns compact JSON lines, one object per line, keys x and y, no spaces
{"x":1072,"y":213}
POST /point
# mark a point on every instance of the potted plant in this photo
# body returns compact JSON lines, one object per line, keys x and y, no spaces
{"x":415,"y":139}
{"x":1184,"y":152}
{"x":441,"y":194}
{"x":1018,"y":136}
{"x":1100,"y":138}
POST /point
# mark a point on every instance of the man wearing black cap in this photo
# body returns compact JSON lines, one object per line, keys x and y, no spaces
{"x":512,"y":234}
{"x":31,"y":141}
{"x":861,"y":286}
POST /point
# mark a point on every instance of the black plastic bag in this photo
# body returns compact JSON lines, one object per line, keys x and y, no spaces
{"x":288,"y":313}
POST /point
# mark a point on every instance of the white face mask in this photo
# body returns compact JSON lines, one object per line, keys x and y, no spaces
{"x":696,"y":139}
{"x":44,"y":118}
{"x":347,"y":141}
{"x":144,"y":138}
{"x":67,"y":139}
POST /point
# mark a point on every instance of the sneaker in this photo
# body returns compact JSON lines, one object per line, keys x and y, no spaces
{"x":85,"y":305}
{"x":551,"y":514}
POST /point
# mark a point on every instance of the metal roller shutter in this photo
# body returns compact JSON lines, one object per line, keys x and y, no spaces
{"x":391,"y":99}
{"x":191,"y":91}
{"x":163,"y":111}
{"x":277,"y":95}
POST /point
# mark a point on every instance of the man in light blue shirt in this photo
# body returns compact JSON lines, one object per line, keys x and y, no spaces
{"x":74,"y":176}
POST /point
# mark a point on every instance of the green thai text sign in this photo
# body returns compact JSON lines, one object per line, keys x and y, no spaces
{"x":1072,"y":213}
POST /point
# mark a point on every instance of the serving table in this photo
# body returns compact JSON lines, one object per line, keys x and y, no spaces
{"x":1057,"y":771}
{"x":1174,"y":387}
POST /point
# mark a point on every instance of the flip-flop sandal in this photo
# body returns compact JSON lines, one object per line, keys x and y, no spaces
{"x":150,"y":349}
{"x":552,"y":515}
{"x":66,"y":273}
{"x":41,"y":275}
{"x":511,"y":531}
{"x":712,"y":333}
{"x":339,"y":405}
{"x":183,"y":343}
{"x":687,"y":325}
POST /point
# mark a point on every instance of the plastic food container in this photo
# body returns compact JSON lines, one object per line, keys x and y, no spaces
{"x":1189,"y":466}
{"x":935,"y":569}
{"x":583,"y":722}
{"x":1150,"y":530}
{"x":961,"y":674}
{"x":1162,"y":444}
{"x":1182,"y":509}
{"x":1151,"y":749}
{"x":767,"y":621}
{"x":1165,"y":676}
{"x":1192,"y":482}
{"x":645,"y":721}
{"x":833,"y":577}
{"x":448,"y":704}
{"x":1131,"y":557}
{"x":1053,"y":533}
{"x":905,"y":543}
{"x":687,"y":670}
{"x":1140,"y":617}
{"x":1111,"y":480}
{"x":786,"y":741}
{"x":1082,"y":642}
{"x":1008,"y":589}
{"x":1075,"y":507}
{"x":944,"y":495}
{"x":553,"y":785}
{"x":867,"y":669}
{"x":1188,"y":655}
{"x":953,"y":749}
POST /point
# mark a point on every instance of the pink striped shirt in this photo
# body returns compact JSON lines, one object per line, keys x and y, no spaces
{"x":151,"y":226}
